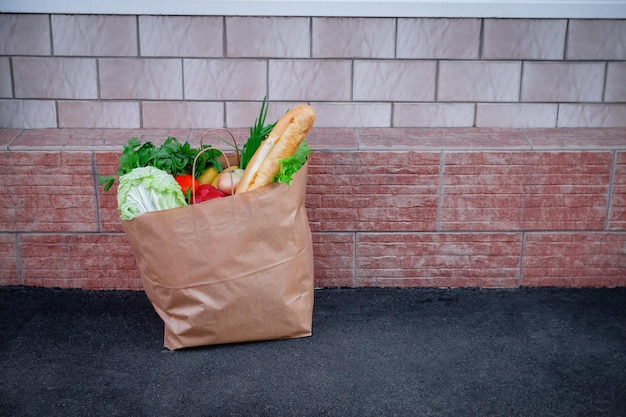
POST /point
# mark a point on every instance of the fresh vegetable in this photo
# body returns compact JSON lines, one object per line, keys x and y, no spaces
{"x":289,"y":166}
{"x":147,"y":189}
{"x":172,"y":157}
{"x":208,"y":176}
{"x":258,"y":133}
{"x":229,"y":179}
{"x":206,"y":192}
{"x":187,"y":184}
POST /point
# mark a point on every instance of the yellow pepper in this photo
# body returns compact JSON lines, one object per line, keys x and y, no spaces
{"x":208,"y":176}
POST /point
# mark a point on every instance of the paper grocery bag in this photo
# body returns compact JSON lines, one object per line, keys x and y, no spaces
{"x":232,"y":269}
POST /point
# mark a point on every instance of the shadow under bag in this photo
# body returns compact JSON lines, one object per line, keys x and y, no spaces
{"x":233,"y":269}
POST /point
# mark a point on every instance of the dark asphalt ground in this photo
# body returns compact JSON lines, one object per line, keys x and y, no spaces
{"x":374,"y":352}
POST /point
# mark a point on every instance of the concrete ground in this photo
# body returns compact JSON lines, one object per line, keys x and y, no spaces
{"x":373,"y":352}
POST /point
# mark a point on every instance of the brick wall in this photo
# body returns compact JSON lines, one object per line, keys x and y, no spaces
{"x":121,"y":71}
{"x":463,"y":207}
{"x":447,"y":152}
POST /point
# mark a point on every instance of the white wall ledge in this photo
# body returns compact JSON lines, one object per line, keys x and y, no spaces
{"x":548,"y":9}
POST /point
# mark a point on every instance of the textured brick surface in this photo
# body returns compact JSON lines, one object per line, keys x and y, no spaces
{"x":441,"y":139}
{"x":373,"y":191}
{"x":93,"y":35}
{"x":478,"y":81}
{"x":360,"y":38}
{"x":224,"y":79}
{"x":275,"y":37}
{"x":574,"y":259}
{"x":6,"y":82}
{"x":525,"y":191}
{"x":562,"y":81}
{"x":438,"y":260}
{"x":27,"y":114}
{"x":185,"y":36}
{"x":596,"y":39}
{"x":334,"y":259}
{"x":438,"y":38}
{"x":57,"y":197}
{"x":8,"y":260}
{"x":597,"y":115}
{"x":71,"y":78}
{"x":76,"y":260}
{"x":24,"y":34}
{"x":617,"y":220}
{"x":360,"y":72}
{"x":524,"y":39}
{"x":388,"y":207}
{"x":108,"y":215}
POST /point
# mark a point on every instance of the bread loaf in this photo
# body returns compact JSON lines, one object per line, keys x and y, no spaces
{"x":281,"y":143}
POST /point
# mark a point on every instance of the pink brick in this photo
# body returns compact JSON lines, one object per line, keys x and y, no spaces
{"x":242,"y":114}
{"x":438,"y":139}
{"x":342,"y":115}
{"x":433,"y":114}
{"x":71,"y":78}
{"x":478,"y":81}
{"x":94,"y":35}
{"x":592,"y":115}
{"x":360,"y":37}
{"x":107,"y":163}
{"x":7,"y":136}
{"x":438,"y":38}
{"x":273,"y":37}
{"x":98,"y":114}
{"x":335,"y":139}
{"x":572,"y":138}
{"x":184,"y":36}
{"x":373,"y":191}
{"x":615,"y":88}
{"x":59,"y":196}
{"x":562,"y":81}
{"x":438,"y":259}
{"x":333,"y":259}
{"x":6,"y":81}
{"x":91,"y":261}
{"x":524,"y":39}
{"x":8,"y":260}
{"x":180,"y":114}
{"x":596,"y":39}
{"x":525,"y":191}
{"x":88,"y":139}
{"x":225,"y":79}
{"x":158,"y":79}
{"x":394,"y":80}
{"x":24,"y":34}
{"x":314,"y":79}
{"x":617,"y":217}
{"x":27,"y":114}
{"x":511,"y":115}
{"x":574,"y":259}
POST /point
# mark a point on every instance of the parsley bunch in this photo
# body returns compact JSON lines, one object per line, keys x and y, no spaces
{"x":172,"y":157}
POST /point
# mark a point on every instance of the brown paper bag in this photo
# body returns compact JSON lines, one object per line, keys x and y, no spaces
{"x":233,"y":269}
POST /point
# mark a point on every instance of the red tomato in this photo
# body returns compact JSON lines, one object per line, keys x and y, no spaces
{"x":186,"y":182}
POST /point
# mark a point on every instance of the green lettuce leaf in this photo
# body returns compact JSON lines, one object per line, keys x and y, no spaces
{"x":147,"y":189}
{"x":289,"y":166}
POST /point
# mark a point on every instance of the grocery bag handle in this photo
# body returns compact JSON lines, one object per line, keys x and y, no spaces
{"x":202,"y":150}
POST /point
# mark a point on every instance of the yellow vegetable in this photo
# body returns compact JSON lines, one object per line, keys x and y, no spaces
{"x":208,"y":176}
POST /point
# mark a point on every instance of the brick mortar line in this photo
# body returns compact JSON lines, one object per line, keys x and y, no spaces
{"x":609,"y":202}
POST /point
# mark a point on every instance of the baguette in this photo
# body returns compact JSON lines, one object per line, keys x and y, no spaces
{"x":281,"y":143}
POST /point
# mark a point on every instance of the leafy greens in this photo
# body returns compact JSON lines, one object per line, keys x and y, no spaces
{"x":172,"y":157}
{"x":147,"y":189}
{"x":289,"y":166}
